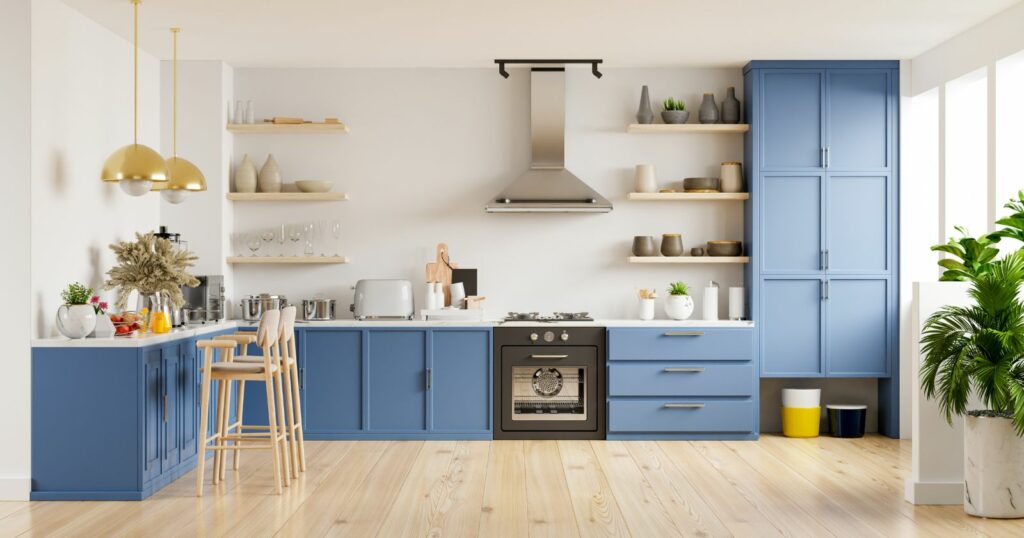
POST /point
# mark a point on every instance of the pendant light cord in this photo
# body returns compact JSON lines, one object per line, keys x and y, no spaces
{"x":174,"y":95}
{"x":135,"y":115}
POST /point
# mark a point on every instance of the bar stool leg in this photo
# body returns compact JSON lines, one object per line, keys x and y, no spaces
{"x":204,"y":419}
{"x":239,"y":405}
{"x":223,"y":389}
{"x":272,"y":420}
{"x":281,"y":426}
{"x":290,"y":410}
{"x":297,"y":403}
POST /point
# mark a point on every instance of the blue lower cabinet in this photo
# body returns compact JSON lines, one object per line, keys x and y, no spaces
{"x":791,"y":317}
{"x":398,"y":381}
{"x":460,"y":382}
{"x":857,"y":327}
{"x":331,"y":378}
{"x":674,"y":383}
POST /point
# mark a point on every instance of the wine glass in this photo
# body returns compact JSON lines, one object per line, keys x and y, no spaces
{"x":295,"y":235}
{"x":336,"y":233}
{"x":279,"y":236}
{"x":268,"y":237}
{"x":307,"y":232}
{"x":254,"y":243}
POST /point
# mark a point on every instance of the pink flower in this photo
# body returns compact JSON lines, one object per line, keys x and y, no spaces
{"x":103,"y":305}
{"x":94,"y":299}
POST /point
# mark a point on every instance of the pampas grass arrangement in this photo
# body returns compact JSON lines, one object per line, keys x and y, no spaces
{"x":149,"y":265}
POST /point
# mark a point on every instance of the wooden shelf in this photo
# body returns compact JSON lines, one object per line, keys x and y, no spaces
{"x":287,"y":196}
{"x":681,"y":196}
{"x":689,"y":259}
{"x":297,"y":260}
{"x":663,"y":128}
{"x":277,"y":128}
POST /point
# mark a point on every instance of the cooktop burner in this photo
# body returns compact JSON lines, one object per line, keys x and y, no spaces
{"x":556,"y":316}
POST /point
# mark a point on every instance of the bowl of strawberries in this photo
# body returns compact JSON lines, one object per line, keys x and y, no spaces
{"x":126,"y":324}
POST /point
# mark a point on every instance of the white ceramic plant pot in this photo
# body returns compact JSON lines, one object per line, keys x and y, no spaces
{"x":76,"y":321}
{"x":993,"y":468}
{"x":646,"y":309}
{"x":104,"y":327}
{"x":678,"y":307}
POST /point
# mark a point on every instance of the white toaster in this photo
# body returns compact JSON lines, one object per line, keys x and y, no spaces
{"x":383,"y":299}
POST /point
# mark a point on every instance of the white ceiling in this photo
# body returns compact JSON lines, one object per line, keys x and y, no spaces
{"x":471,"y":33}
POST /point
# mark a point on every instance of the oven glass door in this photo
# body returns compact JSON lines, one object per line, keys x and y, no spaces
{"x":549,"y":388}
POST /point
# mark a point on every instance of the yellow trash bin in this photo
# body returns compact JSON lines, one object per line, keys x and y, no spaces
{"x":801,"y":412}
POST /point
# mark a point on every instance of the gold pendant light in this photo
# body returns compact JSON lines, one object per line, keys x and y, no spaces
{"x":135,"y":166}
{"x":182,"y":175}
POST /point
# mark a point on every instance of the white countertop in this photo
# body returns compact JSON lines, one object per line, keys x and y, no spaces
{"x":199,"y":330}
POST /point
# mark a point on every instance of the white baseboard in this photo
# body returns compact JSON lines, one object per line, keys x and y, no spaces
{"x":15,"y":489}
{"x":934,"y":492}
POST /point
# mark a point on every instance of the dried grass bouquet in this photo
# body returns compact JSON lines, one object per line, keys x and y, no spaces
{"x":149,"y":265}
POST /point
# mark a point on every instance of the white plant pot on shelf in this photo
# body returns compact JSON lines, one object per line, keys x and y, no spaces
{"x":993,"y":468}
{"x":76,"y":321}
{"x":678,"y":307}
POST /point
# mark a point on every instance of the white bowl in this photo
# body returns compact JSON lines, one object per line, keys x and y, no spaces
{"x":314,"y":185}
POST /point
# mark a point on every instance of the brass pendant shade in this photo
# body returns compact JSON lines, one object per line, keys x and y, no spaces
{"x":182,"y":175}
{"x":135,"y":162}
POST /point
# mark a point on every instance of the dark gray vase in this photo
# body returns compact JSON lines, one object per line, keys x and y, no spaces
{"x":645,"y":114}
{"x":708,"y":109}
{"x":730,"y":107}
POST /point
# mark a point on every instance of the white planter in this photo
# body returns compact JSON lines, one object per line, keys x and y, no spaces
{"x":76,"y":321}
{"x":104,"y":327}
{"x":993,"y":468}
{"x":678,"y":307}
{"x":646,"y":309}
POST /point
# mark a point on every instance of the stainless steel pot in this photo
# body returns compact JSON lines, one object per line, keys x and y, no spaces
{"x":254,"y":306}
{"x":318,"y":309}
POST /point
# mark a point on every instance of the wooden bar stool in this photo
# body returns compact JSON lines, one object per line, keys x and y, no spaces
{"x":228,"y":371}
{"x":288,"y":360}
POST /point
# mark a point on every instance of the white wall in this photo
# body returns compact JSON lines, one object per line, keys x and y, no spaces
{"x":428,"y":148}
{"x":15,"y":130}
{"x":81,"y":113}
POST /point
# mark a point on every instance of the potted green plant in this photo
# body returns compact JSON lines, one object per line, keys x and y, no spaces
{"x":76,"y":318}
{"x":675,"y":111}
{"x":678,"y":304}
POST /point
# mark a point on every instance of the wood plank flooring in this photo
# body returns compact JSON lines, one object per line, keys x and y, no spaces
{"x":771,"y":487}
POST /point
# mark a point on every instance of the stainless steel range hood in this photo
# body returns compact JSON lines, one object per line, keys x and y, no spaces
{"x":547,"y":187}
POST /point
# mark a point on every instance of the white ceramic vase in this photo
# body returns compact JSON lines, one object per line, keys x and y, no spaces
{"x":270,"y":176}
{"x":646,"y":309}
{"x":76,"y":321}
{"x":245,"y":175}
{"x":644,"y":177}
{"x":104,"y":327}
{"x":678,"y":307}
{"x":993,"y":468}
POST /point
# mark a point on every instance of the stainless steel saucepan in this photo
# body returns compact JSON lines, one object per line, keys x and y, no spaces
{"x":318,"y":309}
{"x":253,"y":306}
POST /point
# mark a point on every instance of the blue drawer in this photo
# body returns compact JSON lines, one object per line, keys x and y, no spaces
{"x":668,"y":343}
{"x":665,"y":378}
{"x":683,"y":415}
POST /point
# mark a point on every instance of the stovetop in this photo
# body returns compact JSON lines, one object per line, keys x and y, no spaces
{"x":548,"y":318}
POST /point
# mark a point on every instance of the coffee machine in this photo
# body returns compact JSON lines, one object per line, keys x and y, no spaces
{"x":204,"y":303}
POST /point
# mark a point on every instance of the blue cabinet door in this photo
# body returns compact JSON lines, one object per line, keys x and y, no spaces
{"x":791,"y":229}
{"x":857,"y":327}
{"x":171,"y":356}
{"x":398,"y":376}
{"x":332,"y":381}
{"x":859,"y":231}
{"x":857,"y":118}
{"x":460,"y":379}
{"x":791,"y":119}
{"x":791,"y":327}
{"x":188,"y":418}
{"x":153,"y":396}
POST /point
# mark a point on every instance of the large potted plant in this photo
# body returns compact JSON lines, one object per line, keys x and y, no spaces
{"x":978,"y":351}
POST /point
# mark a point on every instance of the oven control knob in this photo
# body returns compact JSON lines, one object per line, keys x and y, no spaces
{"x":549,"y":336}
{"x":533,"y":337}
{"x":565,"y":336}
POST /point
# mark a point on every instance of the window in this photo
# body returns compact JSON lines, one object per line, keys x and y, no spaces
{"x":921,"y":178}
{"x":966,"y":153}
{"x":1009,"y":138}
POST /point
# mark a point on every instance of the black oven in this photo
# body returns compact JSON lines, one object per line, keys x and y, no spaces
{"x":549,"y":382}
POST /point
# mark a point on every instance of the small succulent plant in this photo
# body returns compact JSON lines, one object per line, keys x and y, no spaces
{"x":678,"y":288}
{"x":674,"y":104}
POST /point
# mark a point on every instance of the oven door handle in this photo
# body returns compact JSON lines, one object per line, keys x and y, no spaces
{"x":684,"y":405}
{"x":549,"y":356}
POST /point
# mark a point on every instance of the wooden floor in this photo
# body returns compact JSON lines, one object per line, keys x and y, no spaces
{"x":772,"y":487}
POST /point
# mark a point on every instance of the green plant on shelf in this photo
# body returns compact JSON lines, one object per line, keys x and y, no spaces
{"x":674,"y":104}
{"x":678,"y":288}
{"x":76,"y":293}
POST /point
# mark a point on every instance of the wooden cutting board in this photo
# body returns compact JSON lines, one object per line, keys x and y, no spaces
{"x":441,"y":271}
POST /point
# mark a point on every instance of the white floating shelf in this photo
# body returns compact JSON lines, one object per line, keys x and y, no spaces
{"x":689,"y":259}
{"x":275,"y":128}
{"x":695,"y":196}
{"x":287,"y":196}
{"x":663,"y":128}
{"x":295,"y":260}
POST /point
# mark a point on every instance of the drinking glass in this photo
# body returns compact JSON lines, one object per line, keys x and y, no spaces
{"x":307,"y":232}
{"x":280,"y":236}
{"x":336,"y":233}
{"x":295,"y":235}
{"x":254,"y":243}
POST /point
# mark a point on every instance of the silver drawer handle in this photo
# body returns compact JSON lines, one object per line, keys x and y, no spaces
{"x":684,"y":405}
{"x":685,"y":333}
{"x":549,"y":356}
{"x":687,"y":370}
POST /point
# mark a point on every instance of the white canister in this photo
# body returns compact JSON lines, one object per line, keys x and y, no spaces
{"x":239,"y":111}
{"x":736,"y":299}
{"x":458,"y":293}
{"x":439,"y":294}
{"x":430,"y":297}
{"x":731,"y":177}
{"x":645,"y":181}
{"x":646,"y":309}
{"x":250,"y":112}
{"x":711,"y":301}
{"x":801,"y":398}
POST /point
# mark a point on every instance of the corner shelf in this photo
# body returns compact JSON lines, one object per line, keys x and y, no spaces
{"x":683,"y":196}
{"x":667,"y":128}
{"x":287,"y":196}
{"x":689,"y":259}
{"x":295,"y":260}
{"x":275,"y":128}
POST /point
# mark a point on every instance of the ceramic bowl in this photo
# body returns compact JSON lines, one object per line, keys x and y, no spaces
{"x":701,"y":184}
{"x":675,"y":116}
{"x":314,"y":185}
{"x":725,"y":248}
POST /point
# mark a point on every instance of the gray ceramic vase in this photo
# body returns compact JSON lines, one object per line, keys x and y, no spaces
{"x":671,"y":245}
{"x":730,"y":107}
{"x":643,"y":245}
{"x":675,"y":116}
{"x":645,"y":114}
{"x":708,"y":109}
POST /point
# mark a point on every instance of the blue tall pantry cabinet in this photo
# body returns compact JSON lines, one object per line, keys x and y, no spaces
{"x":822,"y":163}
